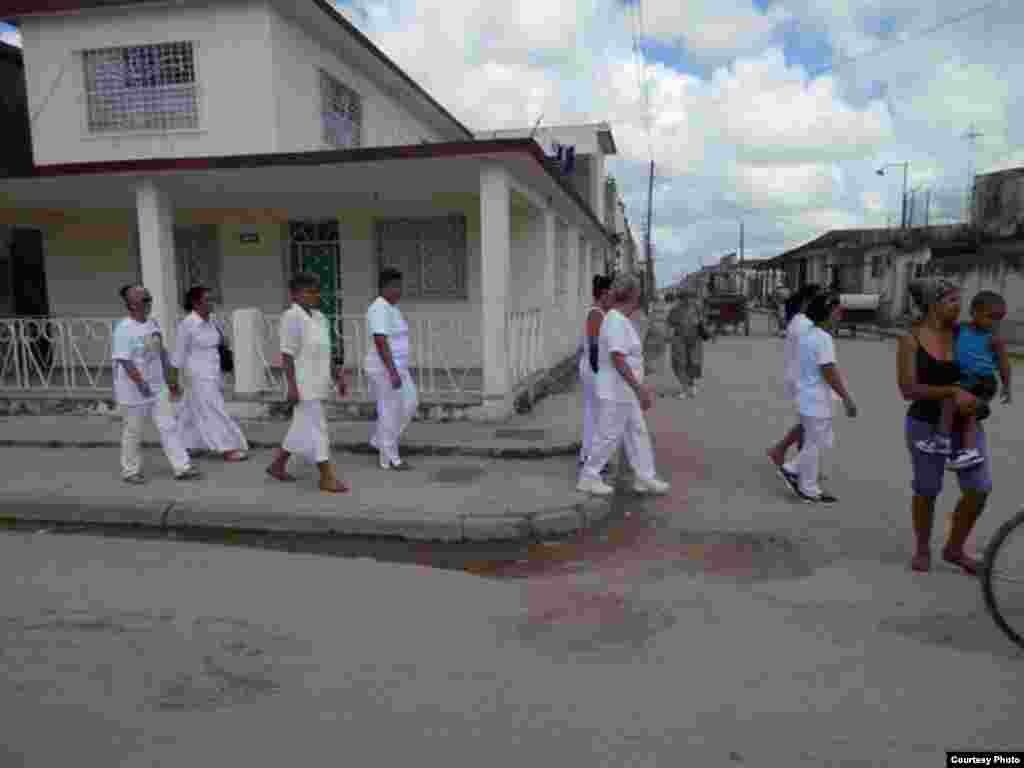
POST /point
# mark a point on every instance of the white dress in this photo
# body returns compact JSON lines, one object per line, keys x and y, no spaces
{"x":202,"y":417}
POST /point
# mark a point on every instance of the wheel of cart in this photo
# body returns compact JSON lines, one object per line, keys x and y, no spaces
{"x":1002,"y":578}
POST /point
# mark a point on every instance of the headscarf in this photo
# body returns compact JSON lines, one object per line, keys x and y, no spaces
{"x":929,"y":291}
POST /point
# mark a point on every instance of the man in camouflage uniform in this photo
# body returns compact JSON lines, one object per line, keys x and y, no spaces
{"x":684,"y":323}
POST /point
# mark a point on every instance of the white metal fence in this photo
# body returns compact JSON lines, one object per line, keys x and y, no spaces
{"x":439,"y":364}
{"x":73,"y":354}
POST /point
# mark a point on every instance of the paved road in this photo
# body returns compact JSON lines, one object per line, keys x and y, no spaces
{"x":722,"y":625}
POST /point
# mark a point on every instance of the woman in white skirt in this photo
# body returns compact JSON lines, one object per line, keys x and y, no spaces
{"x":589,"y":356}
{"x":203,"y":419}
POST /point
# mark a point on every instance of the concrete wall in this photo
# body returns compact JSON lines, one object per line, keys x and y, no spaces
{"x":232,"y":66}
{"x":297,"y":59}
{"x":1003,"y":280}
{"x":258,"y":77}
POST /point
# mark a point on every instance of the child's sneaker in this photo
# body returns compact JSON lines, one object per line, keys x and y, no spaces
{"x":965,"y":459}
{"x":939,"y":445}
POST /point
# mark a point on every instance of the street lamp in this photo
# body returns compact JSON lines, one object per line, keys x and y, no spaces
{"x":903,"y":211}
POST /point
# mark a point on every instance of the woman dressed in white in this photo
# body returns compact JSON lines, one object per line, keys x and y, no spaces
{"x":203,"y":419}
{"x":589,"y":359}
{"x":622,"y":398}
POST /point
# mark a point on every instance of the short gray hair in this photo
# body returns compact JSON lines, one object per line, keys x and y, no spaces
{"x":624,"y":285}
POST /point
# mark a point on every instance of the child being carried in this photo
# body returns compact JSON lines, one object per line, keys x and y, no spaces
{"x":979,"y":354}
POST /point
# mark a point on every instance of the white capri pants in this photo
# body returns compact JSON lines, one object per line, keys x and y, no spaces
{"x":620,"y":421}
{"x":161,"y":412}
{"x":588,"y":379}
{"x":395,"y":410}
{"x":308,"y":437}
{"x":818,"y":435}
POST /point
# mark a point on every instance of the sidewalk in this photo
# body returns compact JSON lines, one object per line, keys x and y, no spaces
{"x":468,"y":482}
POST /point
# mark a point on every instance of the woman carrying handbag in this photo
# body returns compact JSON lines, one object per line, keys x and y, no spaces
{"x":201,"y":350}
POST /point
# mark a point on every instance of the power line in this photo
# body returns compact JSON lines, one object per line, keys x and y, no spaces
{"x":886,"y":47}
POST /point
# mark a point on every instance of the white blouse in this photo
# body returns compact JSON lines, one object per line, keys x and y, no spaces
{"x":195,"y":349}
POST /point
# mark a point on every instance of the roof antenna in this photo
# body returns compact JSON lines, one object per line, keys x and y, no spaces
{"x":536,"y":125}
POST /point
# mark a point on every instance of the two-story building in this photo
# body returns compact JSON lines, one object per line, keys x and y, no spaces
{"x":234,"y":142}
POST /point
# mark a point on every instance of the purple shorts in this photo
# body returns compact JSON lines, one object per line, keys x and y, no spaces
{"x":929,"y":469}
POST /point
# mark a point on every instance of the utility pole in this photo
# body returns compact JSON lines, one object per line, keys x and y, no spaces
{"x":647,"y":248}
{"x":972,"y":136}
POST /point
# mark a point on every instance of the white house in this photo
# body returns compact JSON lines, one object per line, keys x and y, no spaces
{"x":234,"y":142}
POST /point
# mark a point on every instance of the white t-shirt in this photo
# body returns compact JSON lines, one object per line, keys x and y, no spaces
{"x":139,"y":344}
{"x":307,"y":338}
{"x":797,"y":327}
{"x":385,"y":319}
{"x":618,"y":334}
{"x":195,"y":348}
{"x":814,"y":395}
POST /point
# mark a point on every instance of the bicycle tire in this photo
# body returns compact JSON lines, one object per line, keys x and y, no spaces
{"x":991,"y":602}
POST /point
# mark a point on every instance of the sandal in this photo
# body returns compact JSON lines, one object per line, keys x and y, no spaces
{"x":236,"y":456}
{"x":921,"y":562}
{"x":284,"y":477}
{"x":967,"y":564}
{"x":339,"y":486}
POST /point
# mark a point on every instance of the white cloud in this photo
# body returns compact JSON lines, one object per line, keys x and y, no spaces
{"x":711,"y":27}
{"x":795,"y":156}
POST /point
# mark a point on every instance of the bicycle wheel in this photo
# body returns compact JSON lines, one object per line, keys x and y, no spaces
{"x":1003,"y":578}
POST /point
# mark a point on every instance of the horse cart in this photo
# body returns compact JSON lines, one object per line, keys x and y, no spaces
{"x":862,"y":310}
{"x":727,"y":310}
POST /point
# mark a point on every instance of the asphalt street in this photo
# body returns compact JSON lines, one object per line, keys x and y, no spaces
{"x":725,"y":624}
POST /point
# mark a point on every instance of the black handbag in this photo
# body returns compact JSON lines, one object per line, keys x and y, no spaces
{"x":227,"y":357}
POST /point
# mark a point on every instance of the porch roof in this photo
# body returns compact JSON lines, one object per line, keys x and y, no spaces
{"x":310,"y":182}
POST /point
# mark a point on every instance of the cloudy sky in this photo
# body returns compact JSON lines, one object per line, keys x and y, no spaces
{"x":778,"y":112}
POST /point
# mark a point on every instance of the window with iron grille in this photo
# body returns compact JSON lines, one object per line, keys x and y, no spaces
{"x":430,"y":253}
{"x":341,"y":111}
{"x":141,"y":88}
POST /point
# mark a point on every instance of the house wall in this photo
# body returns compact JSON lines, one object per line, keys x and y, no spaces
{"x":297,"y":58}
{"x":232,"y":40}
{"x":258,"y":76}
{"x":1003,"y":280}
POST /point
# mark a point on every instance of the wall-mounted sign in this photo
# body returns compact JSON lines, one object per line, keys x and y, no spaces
{"x":248,"y":237}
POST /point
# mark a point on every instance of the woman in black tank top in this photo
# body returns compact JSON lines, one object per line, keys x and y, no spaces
{"x":927,"y":375}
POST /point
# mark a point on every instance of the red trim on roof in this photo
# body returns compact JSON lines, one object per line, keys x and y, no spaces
{"x":316,"y":158}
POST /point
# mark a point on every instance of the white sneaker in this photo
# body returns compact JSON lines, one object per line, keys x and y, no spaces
{"x":692,"y":391}
{"x":965,"y":459}
{"x":654,"y":485}
{"x":595,"y":487}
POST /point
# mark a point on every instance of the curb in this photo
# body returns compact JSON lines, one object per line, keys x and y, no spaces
{"x":363,"y":448}
{"x":167,"y":516}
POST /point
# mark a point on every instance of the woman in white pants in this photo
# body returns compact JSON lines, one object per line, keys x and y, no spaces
{"x":140,"y":385}
{"x":387,"y":365}
{"x":622,"y":398}
{"x":589,"y":357}
{"x":203,"y":419}
{"x":819,"y":377}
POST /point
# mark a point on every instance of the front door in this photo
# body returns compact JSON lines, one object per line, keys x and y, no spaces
{"x":315,"y":246}
{"x":29,"y":297}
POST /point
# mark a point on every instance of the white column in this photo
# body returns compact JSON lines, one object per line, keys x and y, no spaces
{"x":550,"y":321}
{"x":574,"y":299}
{"x":250,"y":377}
{"x":156,"y":245}
{"x":495,"y":253}
{"x":597,"y":177}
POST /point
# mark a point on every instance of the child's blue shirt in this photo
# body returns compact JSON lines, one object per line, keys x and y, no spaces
{"x":974,"y":353}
